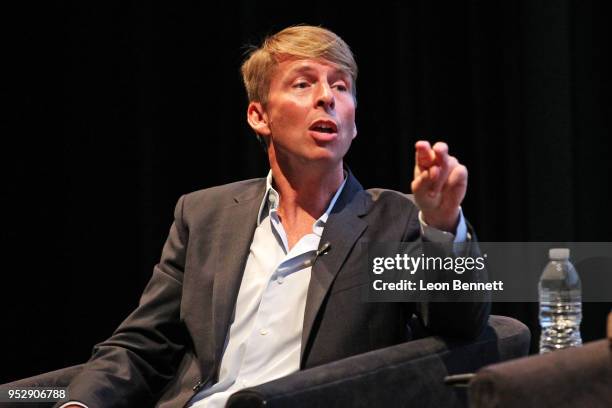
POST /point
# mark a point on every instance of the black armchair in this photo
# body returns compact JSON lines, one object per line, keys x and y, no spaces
{"x":573,"y":377}
{"x":410,"y":373}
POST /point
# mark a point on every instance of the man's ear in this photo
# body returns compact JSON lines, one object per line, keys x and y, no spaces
{"x":354,"y":130}
{"x":258,"y":119}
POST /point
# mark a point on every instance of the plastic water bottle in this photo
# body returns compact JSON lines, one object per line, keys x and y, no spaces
{"x":560,"y":303}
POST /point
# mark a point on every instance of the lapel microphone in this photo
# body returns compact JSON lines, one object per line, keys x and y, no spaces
{"x":324,"y":249}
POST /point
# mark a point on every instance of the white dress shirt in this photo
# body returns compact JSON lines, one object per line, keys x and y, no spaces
{"x":265,"y":336}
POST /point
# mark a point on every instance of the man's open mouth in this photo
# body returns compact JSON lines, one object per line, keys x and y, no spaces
{"x":324,"y":127}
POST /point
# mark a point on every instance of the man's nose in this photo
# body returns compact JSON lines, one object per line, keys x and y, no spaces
{"x":325,"y":97}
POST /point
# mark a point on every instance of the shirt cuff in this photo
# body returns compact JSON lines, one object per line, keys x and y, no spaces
{"x":74,"y":403}
{"x":435,"y":235}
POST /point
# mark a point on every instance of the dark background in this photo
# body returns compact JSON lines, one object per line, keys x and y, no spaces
{"x":115,"y":109}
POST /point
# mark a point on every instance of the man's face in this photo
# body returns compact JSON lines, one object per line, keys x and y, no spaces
{"x":310,"y":113}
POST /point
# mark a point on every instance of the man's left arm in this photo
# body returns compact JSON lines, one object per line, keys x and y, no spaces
{"x":439,"y":186}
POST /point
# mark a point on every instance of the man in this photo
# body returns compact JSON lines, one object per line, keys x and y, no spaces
{"x":259,"y":278}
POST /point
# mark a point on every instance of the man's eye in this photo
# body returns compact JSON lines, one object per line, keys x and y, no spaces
{"x":301,"y":85}
{"x":341,"y":87}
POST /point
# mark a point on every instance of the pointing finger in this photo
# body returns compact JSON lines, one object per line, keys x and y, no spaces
{"x":424,"y":154}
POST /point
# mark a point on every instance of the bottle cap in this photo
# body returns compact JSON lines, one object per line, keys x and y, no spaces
{"x":559,"y":254}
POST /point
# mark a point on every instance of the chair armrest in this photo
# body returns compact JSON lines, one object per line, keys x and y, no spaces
{"x":410,"y":373}
{"x":574,"y":377}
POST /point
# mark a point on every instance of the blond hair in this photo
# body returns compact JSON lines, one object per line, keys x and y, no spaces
{"x":300,"y":42}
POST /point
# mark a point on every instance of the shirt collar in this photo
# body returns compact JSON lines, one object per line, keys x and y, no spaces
{"x":271,"y":201}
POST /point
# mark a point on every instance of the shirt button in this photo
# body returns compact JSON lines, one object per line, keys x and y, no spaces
{"x":263,"y":332}
{"x":280,"y":280}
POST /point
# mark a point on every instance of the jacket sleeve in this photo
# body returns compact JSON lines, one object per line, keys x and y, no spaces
{"x":132,"y":367}
{"x":457,"y":315}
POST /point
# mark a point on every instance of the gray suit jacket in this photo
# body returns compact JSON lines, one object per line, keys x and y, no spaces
{"x":172,"y":344}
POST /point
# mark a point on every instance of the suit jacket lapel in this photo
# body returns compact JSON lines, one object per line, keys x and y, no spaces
{"x":238,"y":221}
{"x":342,"y":229}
